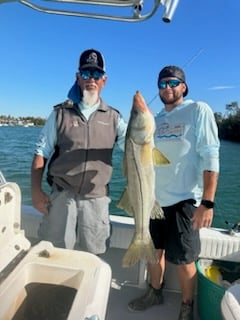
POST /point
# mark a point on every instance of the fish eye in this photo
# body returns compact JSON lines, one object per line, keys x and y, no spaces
{"x":134,"y":111}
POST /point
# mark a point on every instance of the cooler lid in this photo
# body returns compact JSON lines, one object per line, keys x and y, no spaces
{"x":12,"y":240}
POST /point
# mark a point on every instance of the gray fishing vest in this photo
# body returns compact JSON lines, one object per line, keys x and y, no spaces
{"x":82,"y":161}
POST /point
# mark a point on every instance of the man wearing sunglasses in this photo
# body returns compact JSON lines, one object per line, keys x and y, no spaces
{"x":186,"y":133}
{"x":77,"y":142}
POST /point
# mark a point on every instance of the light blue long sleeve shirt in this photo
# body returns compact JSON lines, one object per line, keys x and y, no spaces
{"x":188,"y":136}
{"x":48,"y":135}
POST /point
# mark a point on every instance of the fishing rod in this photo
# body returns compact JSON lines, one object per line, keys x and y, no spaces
{"x":235,"y":227}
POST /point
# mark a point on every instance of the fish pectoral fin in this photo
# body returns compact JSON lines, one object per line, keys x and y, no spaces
{"x":157,"y":211}
{"x":125,"y":204}
{"x":159,"y":158}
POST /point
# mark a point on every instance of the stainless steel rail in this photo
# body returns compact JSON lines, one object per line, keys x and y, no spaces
{"x":136,"y":8}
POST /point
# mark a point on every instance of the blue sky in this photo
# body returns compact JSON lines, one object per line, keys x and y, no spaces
{"x":39,"y":55}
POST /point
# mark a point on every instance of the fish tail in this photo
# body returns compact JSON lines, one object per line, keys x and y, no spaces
{"x":139,"y":251}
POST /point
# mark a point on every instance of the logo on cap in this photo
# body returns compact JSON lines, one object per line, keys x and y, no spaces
{"x":92,"y":58}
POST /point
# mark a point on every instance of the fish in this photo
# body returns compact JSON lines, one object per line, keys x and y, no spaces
{"x":138,"y":198}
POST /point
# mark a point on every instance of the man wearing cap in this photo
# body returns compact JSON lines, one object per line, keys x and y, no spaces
{"x":186,"y":133}
{"x":77,"y":142}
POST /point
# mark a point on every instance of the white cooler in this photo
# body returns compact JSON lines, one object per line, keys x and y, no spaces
{"x":44,"y":282}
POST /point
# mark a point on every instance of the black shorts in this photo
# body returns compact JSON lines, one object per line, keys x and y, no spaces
{"x":175,"y":234}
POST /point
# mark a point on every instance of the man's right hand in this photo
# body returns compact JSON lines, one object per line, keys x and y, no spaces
{"x":41,"y":201}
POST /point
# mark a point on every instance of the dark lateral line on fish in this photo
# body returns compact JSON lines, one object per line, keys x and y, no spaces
{"x":139,"y":176}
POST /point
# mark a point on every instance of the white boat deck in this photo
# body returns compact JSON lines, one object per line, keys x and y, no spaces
{"x":124,"y":289}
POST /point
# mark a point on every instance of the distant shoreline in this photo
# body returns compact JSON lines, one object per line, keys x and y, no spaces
{"x":21,"y":121}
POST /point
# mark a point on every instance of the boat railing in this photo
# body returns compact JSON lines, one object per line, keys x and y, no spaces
{"x":131,"y":10}
{"x":2,"y":179}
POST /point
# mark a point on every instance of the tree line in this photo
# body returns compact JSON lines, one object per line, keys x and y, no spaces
{"x":229,"y":123}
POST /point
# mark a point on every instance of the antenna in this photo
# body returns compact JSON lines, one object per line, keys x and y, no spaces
{"x":152,"y":99}
{"x":194,"y":57}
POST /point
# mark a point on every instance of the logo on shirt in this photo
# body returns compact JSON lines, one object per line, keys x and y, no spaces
{"x":75,"y":123}
{"x":165,"y":131}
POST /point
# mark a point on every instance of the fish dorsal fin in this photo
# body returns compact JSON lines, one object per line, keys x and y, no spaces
{"x":159,"y":159}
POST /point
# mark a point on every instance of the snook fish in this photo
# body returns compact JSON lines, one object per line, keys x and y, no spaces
{"x":138,"y":198}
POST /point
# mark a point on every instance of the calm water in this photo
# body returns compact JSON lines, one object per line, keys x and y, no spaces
{"x":16,"y":152}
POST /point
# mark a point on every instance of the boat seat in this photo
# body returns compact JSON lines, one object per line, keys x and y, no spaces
{"x":230,"y":304}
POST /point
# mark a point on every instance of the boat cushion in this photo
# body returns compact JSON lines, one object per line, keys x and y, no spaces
{"x":230,"y":304}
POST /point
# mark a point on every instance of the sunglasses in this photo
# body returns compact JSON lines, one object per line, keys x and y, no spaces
{"x":172,"y":83}
{"x":87,"y":74}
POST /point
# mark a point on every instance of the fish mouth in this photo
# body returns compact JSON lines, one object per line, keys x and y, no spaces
{"x":139,"y":103}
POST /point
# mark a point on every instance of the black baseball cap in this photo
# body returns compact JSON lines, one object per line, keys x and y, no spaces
{"x":92,"y":59}
{"x":173,"y":71}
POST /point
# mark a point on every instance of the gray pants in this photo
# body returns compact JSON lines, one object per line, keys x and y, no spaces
{"x":74,"y":223}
